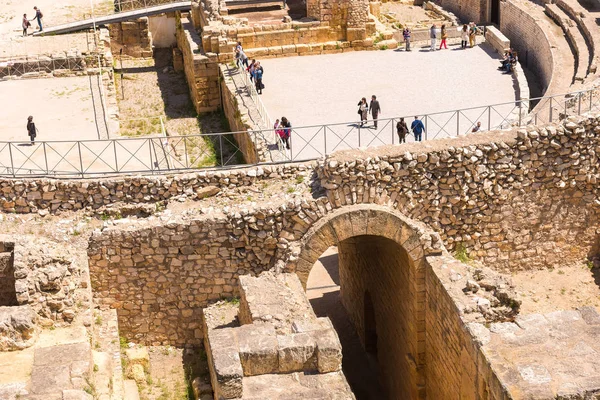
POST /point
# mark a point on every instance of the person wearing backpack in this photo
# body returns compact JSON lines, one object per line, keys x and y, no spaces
{"x":25,"y":24}
{"x":39,"y":16}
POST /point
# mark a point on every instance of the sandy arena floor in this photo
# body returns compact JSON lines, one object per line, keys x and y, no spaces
{"x":325,"y":89}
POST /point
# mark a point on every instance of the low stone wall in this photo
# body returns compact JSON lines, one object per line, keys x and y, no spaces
{"x":132,"y":37}
{"x":515,"y":200}
{"x":201,"y":70}
{"x":55,"y":195}
{"x":496,"y":39}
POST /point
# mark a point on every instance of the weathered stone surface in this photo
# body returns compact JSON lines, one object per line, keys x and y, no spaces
{"x":329,"y":350}
{"x":138,"y":355}
{"x":258,"y":349}
{"x":17,"y":327}
{"x":296,"y":352}
{"x":224,"y":362}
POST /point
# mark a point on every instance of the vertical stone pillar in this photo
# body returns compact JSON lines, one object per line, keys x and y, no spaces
{"x":358,"y":16}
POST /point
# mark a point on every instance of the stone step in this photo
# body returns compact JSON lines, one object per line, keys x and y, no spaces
{"x":588,"y":26}
{"x":297,"y":386}
{"x":575,"y":38}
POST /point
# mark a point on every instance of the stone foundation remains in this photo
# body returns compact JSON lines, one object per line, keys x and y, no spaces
{"x":131,"y":38}
{"x":272,"y":339}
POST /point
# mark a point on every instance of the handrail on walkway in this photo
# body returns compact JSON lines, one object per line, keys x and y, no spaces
{"x":162,"y":154}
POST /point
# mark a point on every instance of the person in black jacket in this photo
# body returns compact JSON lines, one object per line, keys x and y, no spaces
{"x":31,"y":131}
{"x":375,"y":109}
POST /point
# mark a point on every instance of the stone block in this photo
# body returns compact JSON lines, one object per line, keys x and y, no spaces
{"x":137,"y":373}
{"x":224,"y":363}
{"x":296,"y":352}
{"x":138,"y":355}
{"x":258,"y":349}
{"x":329,"y":350}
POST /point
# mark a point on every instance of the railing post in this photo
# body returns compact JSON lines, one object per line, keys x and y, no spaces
{"x":45,"y":157}
{"x":150,"y":154}
{"x":489,"y":118}
{"x":520,"y":112}
{"x":12,"y":165}
{"x":80,"y":157}
{"x":359,"y":136}
{"x":392,"y":130}
{"x":550,"y":111}
{"x":579,"y":103}
{"x":185,"y":150}
{"x":425,"y":124}
{"x":457,"y":122}
{"x":116,"y":161}
{"x":325,"y":142}
{"x":221,"y":148}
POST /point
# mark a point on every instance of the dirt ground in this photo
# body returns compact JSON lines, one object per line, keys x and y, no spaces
{"x":172,"y":371}
{"x":149,"y":90}
{"x":46,"y":100}
{"x":562,"y":288}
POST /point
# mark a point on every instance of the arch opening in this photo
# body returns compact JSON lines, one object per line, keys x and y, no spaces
{"x":366,"y":286}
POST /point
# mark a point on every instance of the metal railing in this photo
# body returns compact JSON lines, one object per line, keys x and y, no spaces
{"x":88,"y":158}
{"x":127,"y":5}
{"x":162,"y":154}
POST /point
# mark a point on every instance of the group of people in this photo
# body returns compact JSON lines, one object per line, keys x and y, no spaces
{"x":509,"y":61}
{"x":417,"y":127}
{"x":26,"y":23}
{"x":363,"y":110}
{"x":468,"y":34}
{"x":254,"y":68}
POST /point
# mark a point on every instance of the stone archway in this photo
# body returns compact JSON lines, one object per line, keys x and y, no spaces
{"x":380,"y":252}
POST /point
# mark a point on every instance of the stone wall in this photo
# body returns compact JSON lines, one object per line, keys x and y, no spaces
{"x":133,"y":37}
{"x":201,"y":70}
{"x":506,"y":196}
{"x":56,"y":195}
{"x":466,"y":10}
{"x":376,"y":269}
{"x":44,"y":276}
{"x":515,"y":200}
{"x":529,"y":39}
{"x":456,"y":368}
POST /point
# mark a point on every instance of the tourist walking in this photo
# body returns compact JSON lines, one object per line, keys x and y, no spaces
{"x":433,"y":37}
{"x":444,"y":36}
{"x":241,"y":58}
{"x":363,"y":111}
{"x":258,"y":77}
{"x":472,"y":33}
{"x":25,"y":24}
{"x":375,"y":109}
{"x":402,"y":130}
{"x":39,"y":16}
{"x":464,"y":36}
{"x":31,"y":129}
{"x":406,"y":34}
{"x":418,"y":128}
{"x":477,"y":127}
{"x":250,"y":70}
{"x":286,"y":129}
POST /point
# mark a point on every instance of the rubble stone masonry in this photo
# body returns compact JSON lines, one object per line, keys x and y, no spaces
{"x":519,"y":199}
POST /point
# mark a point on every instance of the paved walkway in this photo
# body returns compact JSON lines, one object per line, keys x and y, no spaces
{"x":323,"y":89}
